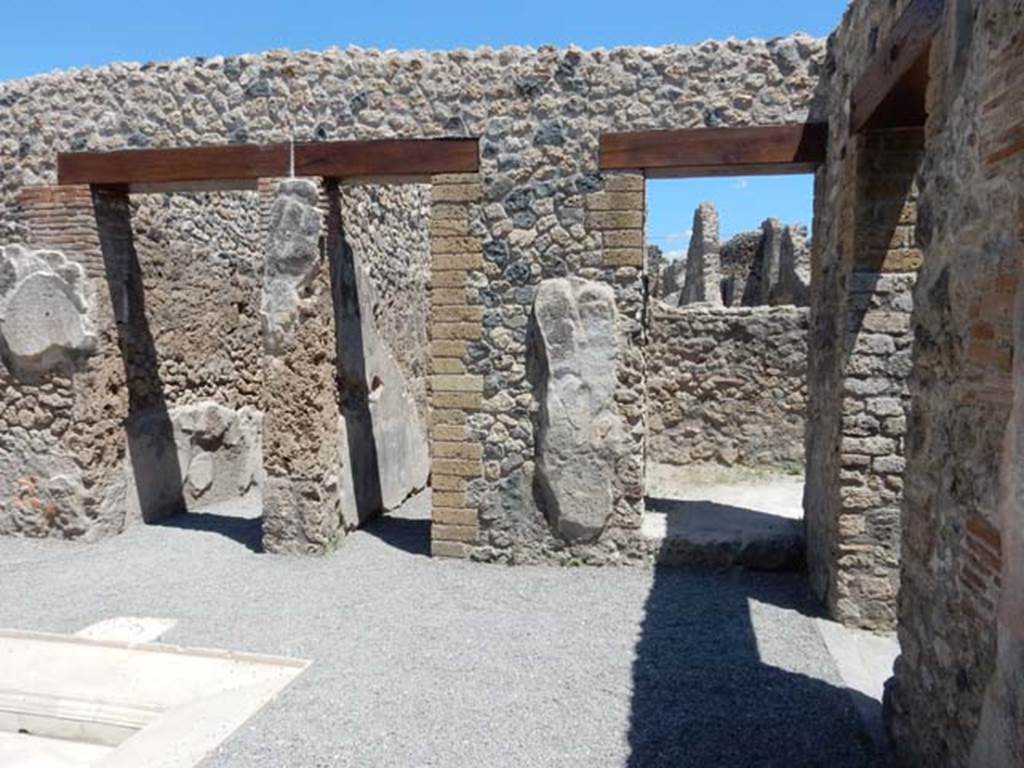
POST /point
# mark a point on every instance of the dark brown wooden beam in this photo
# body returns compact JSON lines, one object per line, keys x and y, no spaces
{"x":231,"y":165}
{"x":388,"y":159}
{"x":717,"y":151}
{"x":891,"y":92}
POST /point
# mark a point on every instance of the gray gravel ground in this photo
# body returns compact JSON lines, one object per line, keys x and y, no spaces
{"x":420,"y":662}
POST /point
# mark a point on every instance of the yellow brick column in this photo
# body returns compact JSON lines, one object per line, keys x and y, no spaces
{"x":617,"y":212}
{"x":455,"y":395}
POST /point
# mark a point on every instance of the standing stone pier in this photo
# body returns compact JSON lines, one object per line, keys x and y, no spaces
{"x":301,"y":457}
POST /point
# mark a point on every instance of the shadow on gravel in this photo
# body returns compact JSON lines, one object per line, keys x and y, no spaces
{"x":410,"y":535}
{"x":247,"y":531}
{"x":703,"y":697}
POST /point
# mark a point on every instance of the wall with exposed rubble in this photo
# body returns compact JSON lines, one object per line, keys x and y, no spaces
{"x":155,"y":332}
{"x":539,"y":210}
{"x":959,"y":688}
{"x":917,"y":276}
{"x":864,"y":260}
{"x":769,"y":266}
{"x":727,"y":387}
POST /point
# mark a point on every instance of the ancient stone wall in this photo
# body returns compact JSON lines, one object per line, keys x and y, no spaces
{"x":541,"y":210}
{"x":702,"y":284}
{"x":198,"y":345}
{"x":378,"y":239}
{"x":917,"y":263}
{"x":389,"y":228}
{"x":769,"y":266}
{"x":956,"y":699}
{"x":738,"y":257}
{"x":727,"y":387}
{"x":863,"y":261}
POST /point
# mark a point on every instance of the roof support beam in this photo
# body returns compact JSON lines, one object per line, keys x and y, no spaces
{"x":891,"y":93}
{"x":744,"y":151}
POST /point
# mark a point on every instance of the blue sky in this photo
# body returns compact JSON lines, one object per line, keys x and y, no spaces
{"x":743,"y":203}
{"x":42,"y":35}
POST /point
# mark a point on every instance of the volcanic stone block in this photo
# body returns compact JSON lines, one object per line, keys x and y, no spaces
{"x":43,"y":494}
{"x":292,"y":254}
{"x":382,"y":438}
{"x":580,"y":433}
{"x":703,"y":270}
{"x":44,"y":322}
{"x":191,"y":456}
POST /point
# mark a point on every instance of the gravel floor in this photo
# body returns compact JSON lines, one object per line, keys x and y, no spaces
{"x":439,"y":663}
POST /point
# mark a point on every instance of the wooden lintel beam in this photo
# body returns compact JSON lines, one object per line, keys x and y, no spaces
{"x":891,"y":91}
{"x":387,"y":158}
{"x":237,"y":166}
{"x":717,"y":151}
{"x":705,"y":171}
{"x":232,"y":165}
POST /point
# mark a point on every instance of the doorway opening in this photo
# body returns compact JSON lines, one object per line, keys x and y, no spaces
{"x":728,"y":264}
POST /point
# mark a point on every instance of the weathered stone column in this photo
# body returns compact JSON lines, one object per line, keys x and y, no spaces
{"x":60,"y":454}
{"x":301,"y":454}
{"x":703,"y":261}
{"x":455,"y":395}
{"x":580,"y":435}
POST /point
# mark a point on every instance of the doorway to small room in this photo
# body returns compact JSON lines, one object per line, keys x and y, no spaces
{"x":728,"y":267}
{"x":728,"y":271}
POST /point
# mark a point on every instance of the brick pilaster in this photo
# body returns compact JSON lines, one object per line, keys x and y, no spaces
{"x":454,"y":394}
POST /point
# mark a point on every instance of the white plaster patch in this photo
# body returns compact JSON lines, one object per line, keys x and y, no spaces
{"x":128,"y":629}
{"x":20,"y":750}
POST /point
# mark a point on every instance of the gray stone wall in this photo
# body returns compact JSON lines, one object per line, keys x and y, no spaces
{"x":201,"y":258}
{"x":377,"y":245}
{"x":956,"y":698}
{"x":863,"y":262}
{"x":917,"y":258}
{"x":727,"y":387}
{"x":388,"y":227}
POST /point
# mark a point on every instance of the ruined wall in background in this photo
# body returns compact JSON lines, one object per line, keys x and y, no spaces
{"x":189,"y":382}
{"x":727,"y":387}
{"x":378,"y":244}
{"x":389,"y":228}
{"x":202,"y":259}
{"x":190,"y":266}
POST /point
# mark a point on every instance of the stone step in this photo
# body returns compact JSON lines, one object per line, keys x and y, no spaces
{"x":701,"y":532}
